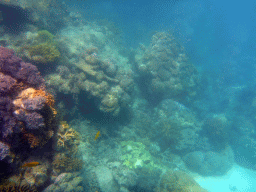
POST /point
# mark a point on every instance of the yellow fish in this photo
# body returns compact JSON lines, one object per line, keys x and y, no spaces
{"x":97,"y":135}
{"x":30,"y":164}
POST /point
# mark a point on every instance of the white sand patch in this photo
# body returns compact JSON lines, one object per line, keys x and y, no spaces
{"x":238,"y":179}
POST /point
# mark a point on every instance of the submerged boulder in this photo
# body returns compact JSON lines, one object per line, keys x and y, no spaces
{"x":210,"y":163}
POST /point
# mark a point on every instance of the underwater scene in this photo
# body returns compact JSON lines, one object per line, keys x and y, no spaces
{"x":127,"y":96}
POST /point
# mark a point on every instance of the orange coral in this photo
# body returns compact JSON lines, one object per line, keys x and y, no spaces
{"x":37,"y":140}
{"x":31,"y":93}
{"x":49,"y":98}
{"x":32,"y":139}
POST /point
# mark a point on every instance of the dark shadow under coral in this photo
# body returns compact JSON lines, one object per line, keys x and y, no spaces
{"x":14,"y":18}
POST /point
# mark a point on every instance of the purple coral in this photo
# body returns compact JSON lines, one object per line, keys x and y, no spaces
{"x":15,"y":111}
{"x":7,"y":121}
{"x":32,"y":120}
{"x":4,"y":150}
{"x":36,"y":103}
{"x":30,"y":74}
{"x":12,"y":65}
{"x":6,"y":83}
{"x":9,"y":63}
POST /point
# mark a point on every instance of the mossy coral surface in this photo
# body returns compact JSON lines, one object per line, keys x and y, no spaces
{"x":136,"y":156}
{"x":45,"y":36}
{"x":43,"y":48}
{"x":47,"y":52}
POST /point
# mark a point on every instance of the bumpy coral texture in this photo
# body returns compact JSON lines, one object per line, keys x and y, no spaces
{"x":100,"y":79}
{"x":178,"y":126}
{"x":24,"y":103}
{"x":40,"y":48}
{"x":165,"y":68}
{"x":23,"y":72}
{"x":178,"y":181}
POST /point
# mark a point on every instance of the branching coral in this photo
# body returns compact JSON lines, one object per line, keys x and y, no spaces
{"x":66,"y":136}
{"x":66,"y":159}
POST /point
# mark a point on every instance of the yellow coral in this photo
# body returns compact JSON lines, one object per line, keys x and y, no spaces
{"x":45,"y":36}
{"x":47,"y":52}
{"x":66,"y":136}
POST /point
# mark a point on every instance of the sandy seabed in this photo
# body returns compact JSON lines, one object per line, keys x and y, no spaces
{"x":238,"y":179}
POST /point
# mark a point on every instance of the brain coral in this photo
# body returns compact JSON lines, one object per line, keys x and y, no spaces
{"x":165,"y":69}
{"x":25,"y":106}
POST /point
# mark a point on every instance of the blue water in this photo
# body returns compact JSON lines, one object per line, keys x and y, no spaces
{"x":144,"y":90}
{"x":219,"y":38}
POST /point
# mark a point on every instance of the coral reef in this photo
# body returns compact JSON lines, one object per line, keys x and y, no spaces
{"x":34,"y":176}
{"x":165,"y":69}
{"x":112,"y":176}
{"x":179,"y":127}
{"x":40,"y":47}
{"x":67,"y":141}
{"x":67,"y":138}
{"x":43,"y":53}
{"x":66,"y":182}
{"x":243,"y":141}
{"x":216,"y":128}
{"x":100,"y":79}
{"x":65,"y":163}
{"x":210,"y":163}
{"x":4,"y":150}
{"x":14,"y":187}
{"x":106,"y":179}
{"x":178,"y":181}
{"x":135,"y":155}
{"x":138,"y":159}
{"x":26,"y":112}
{"x":40,"y":13}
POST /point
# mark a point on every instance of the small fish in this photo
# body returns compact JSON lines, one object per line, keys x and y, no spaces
{"x":30,"y":164}
{"x":97,"y":135}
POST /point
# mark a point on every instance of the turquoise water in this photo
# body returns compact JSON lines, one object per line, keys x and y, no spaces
{"x":150,"y":96}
